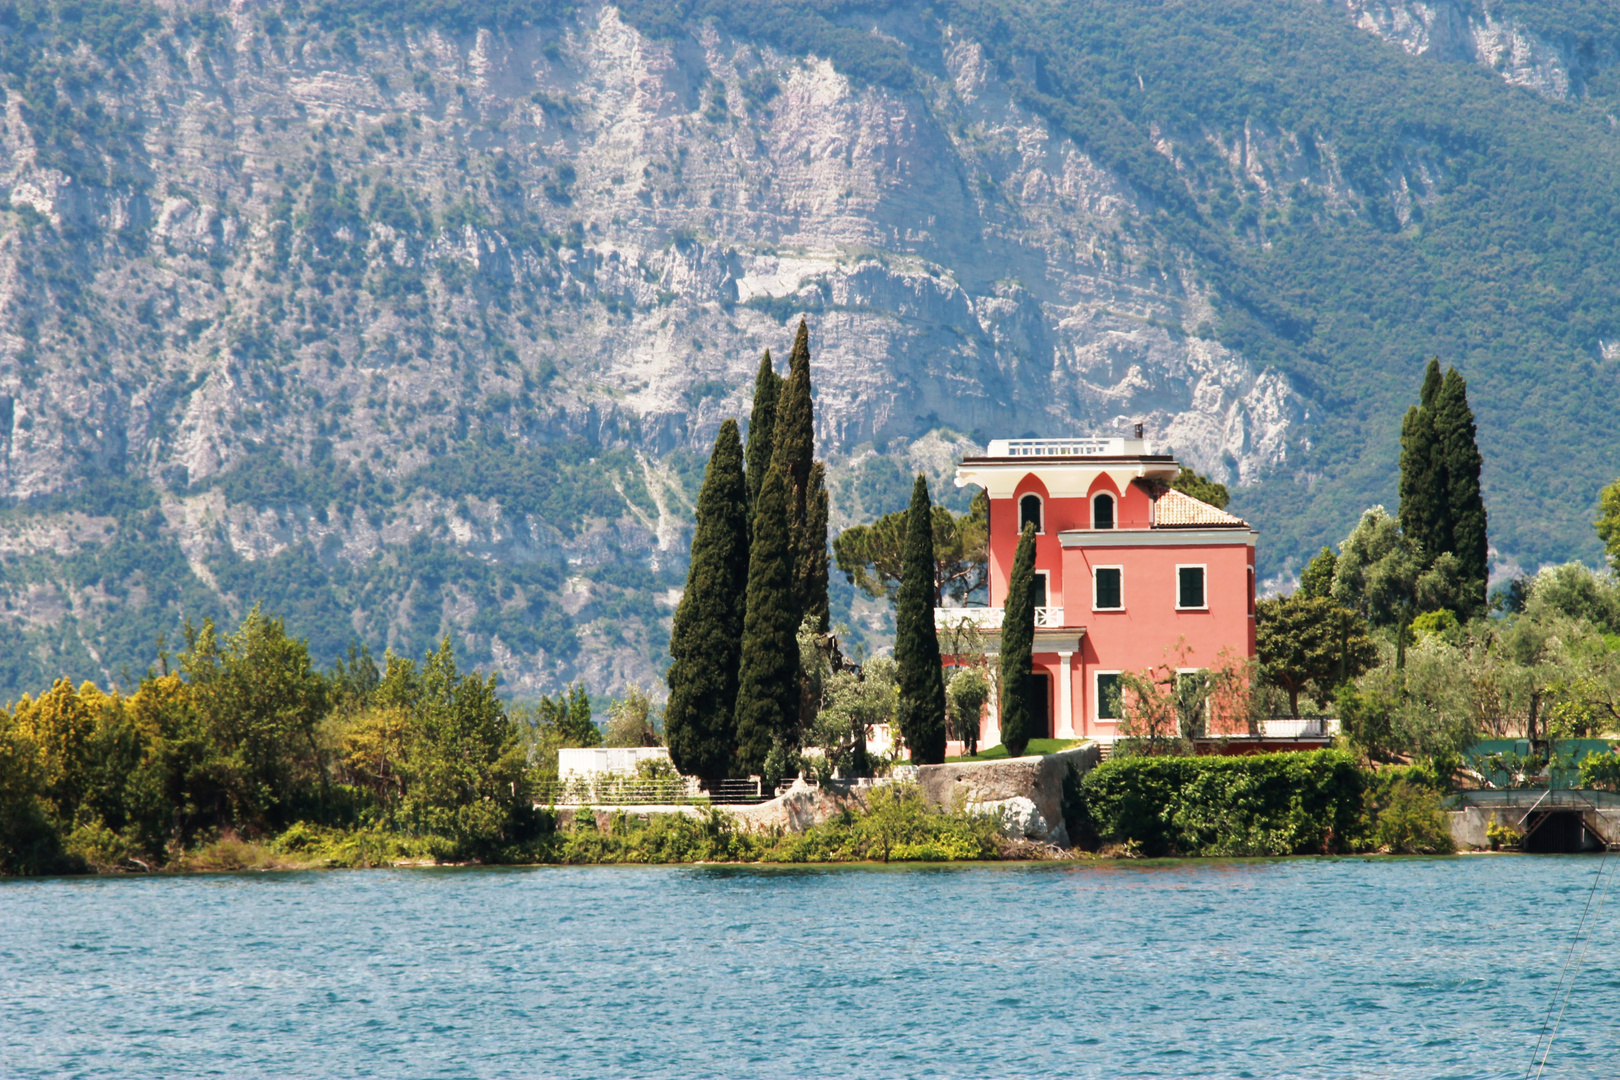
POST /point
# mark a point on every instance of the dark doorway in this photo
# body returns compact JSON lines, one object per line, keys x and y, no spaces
{"x":1554,"y":832}
{"x":1040,"y":706}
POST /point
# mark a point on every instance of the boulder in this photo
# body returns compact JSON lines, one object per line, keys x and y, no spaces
{"x":1004,"y":786}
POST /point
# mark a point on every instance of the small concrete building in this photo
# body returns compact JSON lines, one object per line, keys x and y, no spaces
{"x":593,"y":762}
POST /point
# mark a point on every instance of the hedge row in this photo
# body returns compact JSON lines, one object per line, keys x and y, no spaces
{"x":1266,"y":804}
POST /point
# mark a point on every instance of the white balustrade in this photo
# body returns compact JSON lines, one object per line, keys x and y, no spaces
{"x":987,"y":618}
{"x":1068,"y":447}
{"x":978,"y":618}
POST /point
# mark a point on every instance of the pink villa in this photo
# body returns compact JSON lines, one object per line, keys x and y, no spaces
{"x":1130,"y":573}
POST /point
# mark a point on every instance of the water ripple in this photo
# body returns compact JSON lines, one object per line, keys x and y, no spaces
{"x":1395,"y":968}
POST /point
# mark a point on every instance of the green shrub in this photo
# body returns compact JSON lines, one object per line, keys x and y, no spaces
{"x":1601,"y":771}
{"x":1265,"y":804}
{"x":1412,"y":821}
{"x":1501,"y":836}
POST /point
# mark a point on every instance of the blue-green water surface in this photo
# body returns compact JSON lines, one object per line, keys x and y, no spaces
{"x":1297,"y":968}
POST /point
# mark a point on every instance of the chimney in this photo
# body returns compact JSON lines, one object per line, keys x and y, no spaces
{"x":1138,"y":431}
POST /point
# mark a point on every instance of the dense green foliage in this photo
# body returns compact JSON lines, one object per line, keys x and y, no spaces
{"x":1017,"y":648}
{"x":1317,"y":578}
{"x":1310,"y":642}
{"x":1265,"y":804}
{"x":895,"y":825}
{"x":967,"y":694}
{"x":247,"y":738}
{"x":810,"y":551}
{"x":1442,"y":510}
{"x":870,"y":555}
{"x":1201,"y":488}
{"x":705,"y":643}
{"x":793,"y":451}
{"x":768,"y":673}
{"x":1425,"y":510}
{"x":920,"y":715}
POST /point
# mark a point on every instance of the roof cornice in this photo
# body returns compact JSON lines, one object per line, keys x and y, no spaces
{"x":1178,"y":536}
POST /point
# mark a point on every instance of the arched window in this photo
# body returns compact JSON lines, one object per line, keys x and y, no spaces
{"x":1029,"y":512}
{"x":1102,"y":512}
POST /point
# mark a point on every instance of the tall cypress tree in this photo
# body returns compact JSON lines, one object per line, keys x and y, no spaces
{"x":920,"y":712}
{"x":762,"y":425}
{"x":705,"y":644}
{"x":768,"y":675}
{"x":810,"y":551}
{"x":1465,"y":506}
{"x":1425,"y":513}
{"x":795,"y":434}
{"x":794,"y":452}
{"x":1018,"y":647}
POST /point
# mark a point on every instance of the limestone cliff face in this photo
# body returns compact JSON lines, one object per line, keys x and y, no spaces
{"x":1463,"y":32}
{"x":348,"y":256}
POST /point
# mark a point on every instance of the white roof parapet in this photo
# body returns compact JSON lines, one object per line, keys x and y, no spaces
{"x":1068,"y":448}
{"x":1066,"y":466}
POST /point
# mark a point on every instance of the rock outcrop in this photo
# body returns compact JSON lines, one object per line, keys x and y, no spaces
{"x":1025,"y":793}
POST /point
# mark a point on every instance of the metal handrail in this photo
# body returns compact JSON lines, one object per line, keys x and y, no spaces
{"x":1060,"y":447}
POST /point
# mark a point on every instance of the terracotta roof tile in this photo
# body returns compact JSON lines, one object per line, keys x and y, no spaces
{"x":1177,"y":509}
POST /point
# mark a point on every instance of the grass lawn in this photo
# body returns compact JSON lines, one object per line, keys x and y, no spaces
{"x":1036,"y":747}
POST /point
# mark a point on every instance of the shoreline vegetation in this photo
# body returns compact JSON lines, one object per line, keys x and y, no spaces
{"x":236,"y":752}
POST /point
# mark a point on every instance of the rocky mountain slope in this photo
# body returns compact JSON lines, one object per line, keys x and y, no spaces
{"x":416,"y":325}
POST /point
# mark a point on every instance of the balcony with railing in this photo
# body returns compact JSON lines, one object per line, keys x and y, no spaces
{"x":988,"y":618}
{"x":1062,"y":448}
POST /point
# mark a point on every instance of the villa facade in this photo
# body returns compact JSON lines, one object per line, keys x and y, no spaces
{"x":1130,"y":574}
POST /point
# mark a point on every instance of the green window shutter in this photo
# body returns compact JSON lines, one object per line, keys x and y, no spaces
{"x":1108,"y":587}
{"x":1190,"y":587}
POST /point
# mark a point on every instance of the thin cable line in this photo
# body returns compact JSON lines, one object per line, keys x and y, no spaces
{"x":1568,"y":993}
{"x":1548,"y":1023}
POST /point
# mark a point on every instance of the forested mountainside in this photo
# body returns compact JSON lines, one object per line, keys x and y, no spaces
{"x":418,"y":318}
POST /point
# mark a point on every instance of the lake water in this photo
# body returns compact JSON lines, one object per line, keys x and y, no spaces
{"x":1296,"y":968}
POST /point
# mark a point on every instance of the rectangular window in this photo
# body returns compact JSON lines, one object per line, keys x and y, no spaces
{"x":1041,"y":591}
{"x":1190,"y":587}
{"x":1109,"y":702}
{"x":1107,"y":592}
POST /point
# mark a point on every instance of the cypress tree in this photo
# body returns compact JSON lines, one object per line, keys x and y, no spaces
{"x":762,"y":425}
{"x":768,"y":675}
{"x":794,"y":438}
{"x":920,"y":712}
{"x":1465,"y":507}
{"x":794,"y":452}
{"x":705,"y":644}
{"x":1425,"y":514}
{"x":1018,"y":647}
{"x":810,"y":549}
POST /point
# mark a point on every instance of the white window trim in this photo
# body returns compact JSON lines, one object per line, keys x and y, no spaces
{"x":1091,"y":508}
{"x":1047,"y":592}
{"x":1041,"y":530}
{"x":1192,"y":566}
{"x":1096,"y":699}
{"x":1109,"y":566}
